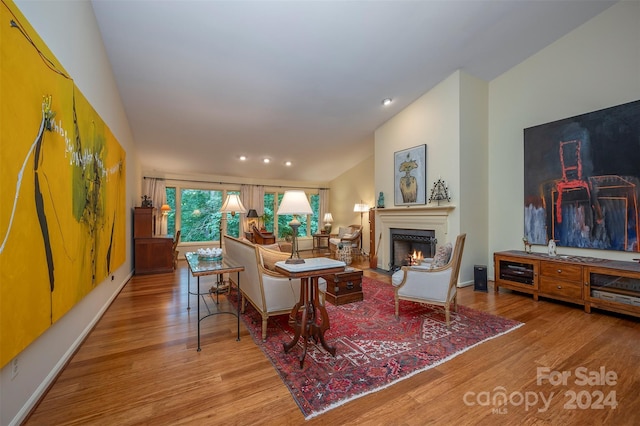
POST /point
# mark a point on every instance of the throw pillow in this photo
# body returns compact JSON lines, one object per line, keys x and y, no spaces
{"x":344,"y":230}
{"x":443,"y":255}
{"x":270,"y":257}
{"x":274,"y":247}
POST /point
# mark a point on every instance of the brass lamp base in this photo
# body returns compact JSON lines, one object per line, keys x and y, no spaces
{"x":294,"y":260}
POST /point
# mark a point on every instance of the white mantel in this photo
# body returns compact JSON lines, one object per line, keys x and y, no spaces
{"x":424,"y":217}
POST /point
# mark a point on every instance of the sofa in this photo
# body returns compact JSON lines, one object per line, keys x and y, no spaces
{"x":270,"y":292}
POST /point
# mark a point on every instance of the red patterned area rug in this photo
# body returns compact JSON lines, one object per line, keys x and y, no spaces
{"x":374,"y":350}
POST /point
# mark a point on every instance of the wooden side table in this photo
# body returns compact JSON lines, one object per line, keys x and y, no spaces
{"x":314,"y":320}
{"x":320,"y":242}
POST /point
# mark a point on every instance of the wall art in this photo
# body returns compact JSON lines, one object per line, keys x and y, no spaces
{"x":581,"y":180}
{"x":410,"y":176}
{"x":63,"y":217}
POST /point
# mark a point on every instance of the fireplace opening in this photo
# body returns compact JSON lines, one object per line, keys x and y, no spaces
{"x":406,"y":244}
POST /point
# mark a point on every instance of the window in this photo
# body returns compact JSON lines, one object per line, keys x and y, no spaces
{"x":171,"y":216}
{"x":200,"y":215}
{"x":196,"y":212}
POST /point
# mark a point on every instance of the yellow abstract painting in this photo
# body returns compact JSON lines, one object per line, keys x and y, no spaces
{"x":62,"y":193}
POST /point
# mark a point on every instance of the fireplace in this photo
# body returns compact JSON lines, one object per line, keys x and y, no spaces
{"x":407,"y":242}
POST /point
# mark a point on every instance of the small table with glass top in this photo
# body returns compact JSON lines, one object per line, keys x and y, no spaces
{"x":199,"y":267}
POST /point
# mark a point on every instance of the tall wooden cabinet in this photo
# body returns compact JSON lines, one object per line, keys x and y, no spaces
{"x":152,"y":254}
{"x":588,"y":281}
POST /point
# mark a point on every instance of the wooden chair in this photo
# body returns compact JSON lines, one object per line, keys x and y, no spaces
{"x":435,"y":286}
{"x":174,"y":249}
{"x":349,"y":236}
{"x":263,"y":237}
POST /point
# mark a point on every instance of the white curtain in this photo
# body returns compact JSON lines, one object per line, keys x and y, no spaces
{"x":252,"y":197}
{"x":155,"y":189}
{"x":324,"y":206}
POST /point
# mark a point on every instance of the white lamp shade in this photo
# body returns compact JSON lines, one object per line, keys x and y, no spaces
{"x":328,"y":218}
{"x":233,"y":204}
{"x":295,"y":202}
{"x":361,"y":208}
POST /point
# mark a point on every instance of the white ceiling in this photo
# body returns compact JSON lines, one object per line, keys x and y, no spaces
{"x":204,"y":82}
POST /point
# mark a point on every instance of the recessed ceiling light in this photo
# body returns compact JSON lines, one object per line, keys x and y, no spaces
{"x":386,"y":102}
{"x":266,"y":160}
{"x":287,"y":163}
{"x":243,"y":158}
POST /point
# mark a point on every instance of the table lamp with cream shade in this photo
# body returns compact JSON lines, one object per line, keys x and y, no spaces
{"x":294,"y":202}
{"x":328,"y":221}
{"x":231,"y":205}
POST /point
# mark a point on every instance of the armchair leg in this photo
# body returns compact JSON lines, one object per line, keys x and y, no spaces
{"x":397,"y":307}
{"x":264,"y":328}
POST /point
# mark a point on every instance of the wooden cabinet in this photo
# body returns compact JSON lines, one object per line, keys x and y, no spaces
{"x":143,"y":222}
{"x":593,"y":282}
{"x":561,"y":280}
{"x":152,"y":255}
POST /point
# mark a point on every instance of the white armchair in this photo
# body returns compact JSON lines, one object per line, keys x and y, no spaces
{"x":436,"y":286}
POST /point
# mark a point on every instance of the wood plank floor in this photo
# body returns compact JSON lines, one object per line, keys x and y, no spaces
{"x":140,"y":366}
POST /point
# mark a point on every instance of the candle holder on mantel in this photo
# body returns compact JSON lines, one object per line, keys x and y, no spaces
{"x":439,"y":192}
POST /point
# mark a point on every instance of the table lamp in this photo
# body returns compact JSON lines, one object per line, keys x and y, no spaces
{"x":252,"y":215}
{"x":294,"y":202}
{"x":328,"y":220}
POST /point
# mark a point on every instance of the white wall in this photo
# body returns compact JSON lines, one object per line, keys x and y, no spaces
{"x":348,"y":189}
{"x":70,"y":30}
{"x":451,"y":120}
{"x":595,"y":66}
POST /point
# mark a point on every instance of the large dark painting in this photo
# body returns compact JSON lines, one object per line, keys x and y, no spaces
{"x":581,"y":177}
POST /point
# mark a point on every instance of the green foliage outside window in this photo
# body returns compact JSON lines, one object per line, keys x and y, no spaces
{"x":199,"y":213}
{"x":171,"y":217}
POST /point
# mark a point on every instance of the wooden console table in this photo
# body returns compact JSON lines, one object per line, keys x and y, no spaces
{"x":610,"y":285}
{"x":314,"y":320}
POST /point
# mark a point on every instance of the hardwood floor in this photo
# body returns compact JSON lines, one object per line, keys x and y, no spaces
{"x":140,"y":366}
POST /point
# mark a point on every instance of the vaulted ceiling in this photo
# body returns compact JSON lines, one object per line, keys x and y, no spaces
{"x":204,"y":82}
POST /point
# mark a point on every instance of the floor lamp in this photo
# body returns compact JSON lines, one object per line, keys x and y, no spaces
{"x":295,"y":203}
{"x":361,"y":208}
{"x":231,"y":205}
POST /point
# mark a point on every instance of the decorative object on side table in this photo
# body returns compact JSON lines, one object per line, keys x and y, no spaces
{"x":213,"y":254}
{"x":527,"y":245}
{"x":146,"y":201}
{"x":294,"y":203}
{"x":439,"y":192}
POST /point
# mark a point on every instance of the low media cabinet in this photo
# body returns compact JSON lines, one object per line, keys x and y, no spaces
{"x":605,"y":284}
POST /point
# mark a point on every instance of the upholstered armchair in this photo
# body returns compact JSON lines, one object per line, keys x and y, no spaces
{"x":434,"y":283}
{"x":349,"y":235}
